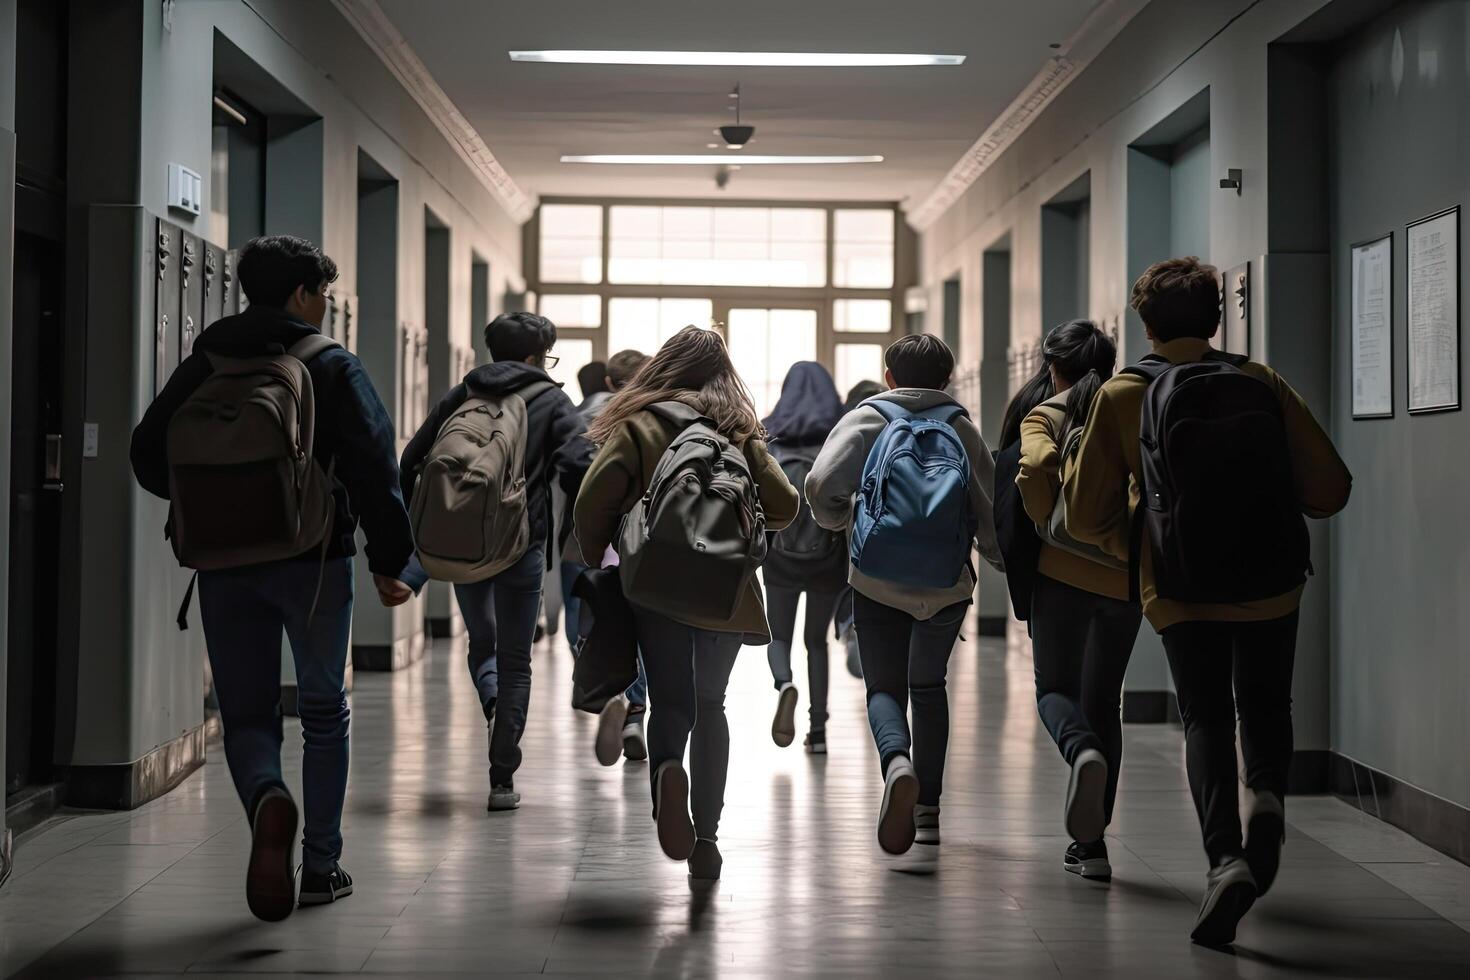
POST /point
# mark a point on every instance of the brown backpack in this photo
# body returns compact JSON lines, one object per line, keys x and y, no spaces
{"x":243,"y":484}
{"x":469,"y":507}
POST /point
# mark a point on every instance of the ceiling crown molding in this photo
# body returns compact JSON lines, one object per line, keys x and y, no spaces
{"x":378,"y":31}
{"x":1076,"y":53}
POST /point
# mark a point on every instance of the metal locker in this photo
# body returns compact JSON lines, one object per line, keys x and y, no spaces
{"x":214,"y":291}
{"x":191,"y":292}
{"x":166,"y":298}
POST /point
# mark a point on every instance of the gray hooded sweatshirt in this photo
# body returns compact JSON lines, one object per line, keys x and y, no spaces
{"x":833,"y":483}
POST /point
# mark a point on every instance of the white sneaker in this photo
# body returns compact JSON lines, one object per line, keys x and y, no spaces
{"x":1085,"y":815}
{"x":926,"y":824}
{"x":609,"y":743}
{"x":896,"y":815}
{"x":783,"y":727}
{"x":1229,"y":893}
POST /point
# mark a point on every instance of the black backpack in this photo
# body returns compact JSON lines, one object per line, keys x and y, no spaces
{"x":1219,"y":502}
{"x":804,"y":541}
{"x":1015,"y":532}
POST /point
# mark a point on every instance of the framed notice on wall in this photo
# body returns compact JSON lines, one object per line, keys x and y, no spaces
{"x":1433,"y":347}
{"x":1372,"y":328}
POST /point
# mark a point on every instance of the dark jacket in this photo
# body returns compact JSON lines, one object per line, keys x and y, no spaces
{"x":351,"y":425}
{"x":553,"y":428}
{"x":781,"y":572}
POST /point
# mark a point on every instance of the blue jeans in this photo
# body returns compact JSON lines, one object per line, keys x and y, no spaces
{"x":905,"y":657}
{"x":688,"y":671}
{"x":244,"y":611}
{"x":500,"y":615}
{"x":638,"y":690}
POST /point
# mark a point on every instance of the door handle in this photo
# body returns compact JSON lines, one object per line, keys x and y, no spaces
{"x":52,"y":481}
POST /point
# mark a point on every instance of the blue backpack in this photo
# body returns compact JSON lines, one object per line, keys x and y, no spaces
{"x":913,"y":524}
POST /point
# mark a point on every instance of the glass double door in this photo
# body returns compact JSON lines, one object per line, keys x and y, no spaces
{"x":766,"y":340}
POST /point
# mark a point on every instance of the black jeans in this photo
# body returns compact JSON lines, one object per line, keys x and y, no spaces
{"x":500,"y":615}
{"x":781,"y":610}
{"x":1080,"y":644}
{"x":688,"y":671}
{"x":1222,"y":670}
{"x":902,"y":657}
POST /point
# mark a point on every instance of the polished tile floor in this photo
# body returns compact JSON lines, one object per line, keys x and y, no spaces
{"x":574,"y":883}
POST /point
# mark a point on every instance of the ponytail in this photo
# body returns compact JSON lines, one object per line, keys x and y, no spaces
{"x":1032,"y":393}
{"x":1076,"y":349}
{"x":1079,"y":402}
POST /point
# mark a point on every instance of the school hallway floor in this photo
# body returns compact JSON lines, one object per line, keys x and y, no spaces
{"x":574,"y":883}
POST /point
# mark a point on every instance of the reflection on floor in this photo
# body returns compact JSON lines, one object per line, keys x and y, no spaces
{"x":574,"y":881}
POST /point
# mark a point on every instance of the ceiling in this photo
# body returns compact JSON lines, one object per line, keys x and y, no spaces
{"x":920,"y":119}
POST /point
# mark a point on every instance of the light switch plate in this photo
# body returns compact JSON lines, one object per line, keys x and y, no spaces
{"x":185,"y":189}
{"x":89,"y":440}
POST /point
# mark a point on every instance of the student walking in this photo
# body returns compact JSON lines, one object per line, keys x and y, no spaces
{"x":271,"y":561}
{"x":1229,"y":460}
{"x":1082,"y":623}
{"x":477,"y":477}
{"x":686,"y":420}
{"x":804,"y":557}
{"x":908,"y":476}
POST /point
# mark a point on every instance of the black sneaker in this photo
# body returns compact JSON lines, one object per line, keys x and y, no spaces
{"x":270,"y":881}
{"x":1089,"y":860}
{"x":1265,"y":831}
{"x":816,"y":743}
{"x":705,"y":862}
{"x":1229,"y":893}
{"x":320,"y":889}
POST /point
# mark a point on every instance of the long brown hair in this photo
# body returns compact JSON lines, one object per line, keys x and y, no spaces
{"x":692,"y":367}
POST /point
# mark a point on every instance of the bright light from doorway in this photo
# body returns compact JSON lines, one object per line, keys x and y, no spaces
{"x":742,"y":59}
{"x":706,"y":159}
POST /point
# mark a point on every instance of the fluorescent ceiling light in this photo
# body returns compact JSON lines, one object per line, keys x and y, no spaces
{"x":706,"y":159}
{"x":741,"y":59}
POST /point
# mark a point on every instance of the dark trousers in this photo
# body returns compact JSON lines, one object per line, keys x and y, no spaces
{"x":500,"y":615}
{"x":781,"y":611}
{"x":905,"y":657}
{"x":245,"y":611}
{"x":688,"y":672}
{"x":1080,"y":644}
{"x":1221,"y":671}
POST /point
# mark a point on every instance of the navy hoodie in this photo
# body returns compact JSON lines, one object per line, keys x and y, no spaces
{"x":351,"y":425}
{"x":553,"y":426}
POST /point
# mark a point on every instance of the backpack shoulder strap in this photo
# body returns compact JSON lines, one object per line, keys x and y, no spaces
{"x":890,"y":410}
{"x":678,"y":413}
{"x":307,"y":348}
{"x":535,"y":389}
{"x":946,"y":413}
{"x":1149,"y":368}
{"x":1234,"y":360}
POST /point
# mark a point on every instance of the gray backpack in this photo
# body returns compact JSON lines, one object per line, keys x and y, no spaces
{"x":469,"y":508}
{"x":244,"y":487}
{"x":1054,"y":531}
{"x":691,"y":544}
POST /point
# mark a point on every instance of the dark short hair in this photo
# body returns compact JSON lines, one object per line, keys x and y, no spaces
{"x":920,"y":360}
{"x":592,"y":378}
{"x":1178,"y":298}
{"x":272,"y":266}
{"x":623,"y":365}
{"x":517,"y":336}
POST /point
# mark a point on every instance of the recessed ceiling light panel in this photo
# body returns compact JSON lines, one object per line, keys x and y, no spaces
{"x":708,"y":159}
{"x":741,"y":59}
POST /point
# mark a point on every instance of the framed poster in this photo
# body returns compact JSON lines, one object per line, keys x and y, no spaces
{"x":1372,"y":328}
{"x":1433,"y":347}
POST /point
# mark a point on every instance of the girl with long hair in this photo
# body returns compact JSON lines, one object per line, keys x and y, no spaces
{"x":688,"y":663}
{"x":804,"y":557}
{"x":1082,"y":622}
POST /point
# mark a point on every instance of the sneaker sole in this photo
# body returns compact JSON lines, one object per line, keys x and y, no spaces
{"x":609,"y":744}
{"x":494,"y":807}
{"x":896,"y":829}
{"x":675,"y":829}
{"x":1085,"y":792}
{"x":927,"y":837}
{"x":270,"y":881}
{"x":817,"y":749}
{"x":783,"y":728}
{"x":1093,"y":869}
{"x":324,"y":898}
{"x":1217,"y":926}
{"x":635,"y":749}
{"x":1263,"y":849}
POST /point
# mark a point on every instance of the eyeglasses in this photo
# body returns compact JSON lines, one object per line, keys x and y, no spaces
{"x":551,"y":361}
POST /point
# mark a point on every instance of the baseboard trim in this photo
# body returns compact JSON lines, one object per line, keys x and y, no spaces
{"x":443,"y":627}
{"x":388,"y":656}
{"x":1434,"y":820}
{"x":991,"y":625}
{"x":128,"y":785}
{"x":32,"y":805}
{"x":1150,"y":708}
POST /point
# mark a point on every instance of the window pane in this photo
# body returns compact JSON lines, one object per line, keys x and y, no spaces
{"x":571,"y":243}
{"x":644,"y":324}
{"x":574,"y":355}
{"x":863,"y":248}
{"x":736,"y":246}
{"x":862,"y":315}
{"x":572,"y":311}
{"x":858,"y":362}
{"x":765,"y":343}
